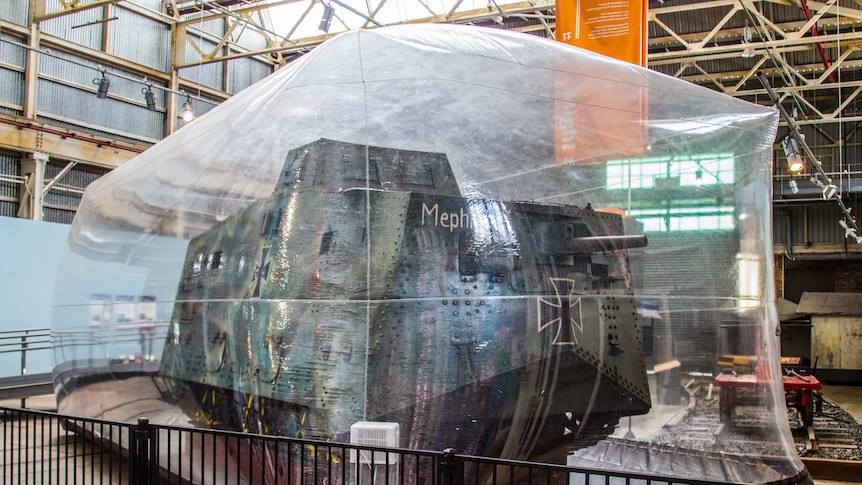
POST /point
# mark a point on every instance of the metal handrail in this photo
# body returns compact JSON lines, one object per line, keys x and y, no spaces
{"x":28,"y":340}
{"x":149,"y":453}
{"x":24,"y":342}
{"x":41,"y":329}
{"x":49,"y":347}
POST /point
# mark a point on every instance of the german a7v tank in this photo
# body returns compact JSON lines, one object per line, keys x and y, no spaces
{"x":367,"y":288}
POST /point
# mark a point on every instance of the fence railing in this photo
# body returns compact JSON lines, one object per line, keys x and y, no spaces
{"x":23,"y":341}
{"x":25,"y":350}
{"x":44,"y":447}
{"x":83,"y":341}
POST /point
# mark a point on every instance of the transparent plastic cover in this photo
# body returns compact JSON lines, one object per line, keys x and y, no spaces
{"x":505,"y":245}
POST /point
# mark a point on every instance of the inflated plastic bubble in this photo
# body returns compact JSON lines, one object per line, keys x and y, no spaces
{"x":459,"y":237}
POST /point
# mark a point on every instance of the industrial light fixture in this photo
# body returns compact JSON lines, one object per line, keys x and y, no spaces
{"x":829,"y":189}
{"x":698,"y":177}
{"x":104,"y":85}
{"x":186,"y":111}
{"x":746,"y":41}
{"x":149,"y":97}
{"x":819,"y":177}
{"x":326,"y":19}
{"x":849,"y":230}
{"x":791,"y":151}
{"x":793,"y":186}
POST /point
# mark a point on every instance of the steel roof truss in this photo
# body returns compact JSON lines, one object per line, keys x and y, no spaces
{"x":837,"y":111}
{"x":373,"y":12}
{"x":300,"y":20}
{"x":812,"y":21}
{"x":836,"y":64}
{"x":721,"y":23}
{"x":764,"y":22}
{"x":709,"y":76}
{"x":425,"y":4}
{"x":664,"y":26}
{"x":800,"y":97}
{"x":751,"y":73}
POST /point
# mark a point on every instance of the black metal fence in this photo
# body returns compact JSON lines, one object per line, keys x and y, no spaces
{"x":44,"y":447}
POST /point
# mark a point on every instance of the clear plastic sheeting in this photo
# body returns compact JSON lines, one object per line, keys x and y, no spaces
{"x":483,"y":240}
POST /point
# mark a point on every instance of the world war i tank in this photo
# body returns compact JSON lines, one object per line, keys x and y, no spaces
{"x":367,"y":288}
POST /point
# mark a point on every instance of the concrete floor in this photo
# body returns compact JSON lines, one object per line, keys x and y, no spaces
{"x":39,"y":403}
{"x":848,"y":397}
{"x":50,"y":454}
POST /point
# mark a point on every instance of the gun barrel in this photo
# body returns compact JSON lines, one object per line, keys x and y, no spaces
{"x":595,"y":244}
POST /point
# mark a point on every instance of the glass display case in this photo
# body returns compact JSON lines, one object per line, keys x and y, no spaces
{"x":480,"y":239}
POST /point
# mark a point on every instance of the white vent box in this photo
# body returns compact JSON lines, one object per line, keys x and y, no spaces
{"x":375,"y":433}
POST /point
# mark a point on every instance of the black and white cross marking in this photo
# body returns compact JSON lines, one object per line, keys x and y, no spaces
{"x":563,"y":311}
{"x":261,"y":271}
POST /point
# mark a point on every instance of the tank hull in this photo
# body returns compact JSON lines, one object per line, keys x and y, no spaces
{"x":494,"y":328}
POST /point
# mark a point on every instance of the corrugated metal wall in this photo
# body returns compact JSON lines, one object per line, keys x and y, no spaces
{"x":211,"y":75}
{"x":62,"y":201}
{"x":66,"y":92}
{"x":245,"y":72}
{"x":89,"y":36}
{"x":212,"y":27}
{"x":66,"y":89}
{"x":155,"y":5}
{"x":710,"y":249}
{"x":14,"y":11}
{"x":12,"y":59}
{"x":251,"y":40}
{"x":149,"y":46}
{"x":10,"y":169}
{"x":811,"y":223}
{"x":199,"y":107}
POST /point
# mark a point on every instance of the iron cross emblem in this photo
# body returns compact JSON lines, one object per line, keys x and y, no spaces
{"x":261,"y":271}
{"x":564,"y":311}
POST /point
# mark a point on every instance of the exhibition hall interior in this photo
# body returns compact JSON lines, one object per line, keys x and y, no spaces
{"x":446,"y":242}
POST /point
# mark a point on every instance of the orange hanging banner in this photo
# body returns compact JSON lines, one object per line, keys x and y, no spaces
{"x":600,"y":111}
{"x":599,"y":118}
{"x":615,"y":28}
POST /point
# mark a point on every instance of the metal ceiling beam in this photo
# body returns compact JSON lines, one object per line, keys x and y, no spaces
{"x":684,"y":52}
{"x":56,"y":44}
{"x":189,"y":7}
{"x":25,"y":135}
{"x":291,"y":46}
{"x":813,"y":69}
{"x":696,"y":41}
{"x":68,"y":8}
{"x":689,"y":55}
{"x":736,"y":49}
{"x":196,"y":17}
{"x":828,"y":23}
